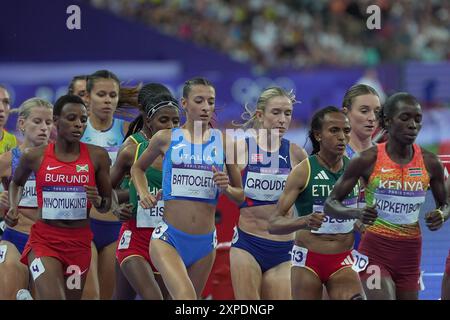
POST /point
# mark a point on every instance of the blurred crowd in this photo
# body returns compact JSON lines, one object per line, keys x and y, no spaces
{"x":301,"y":33}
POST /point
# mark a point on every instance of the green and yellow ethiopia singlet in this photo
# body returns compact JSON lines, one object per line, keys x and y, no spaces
{"x":137,"y":138}
{"x":148,"y":218}
{"x":319,"y":185}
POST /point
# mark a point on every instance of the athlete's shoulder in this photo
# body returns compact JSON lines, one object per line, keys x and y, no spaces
{"x":9,"y":136}
{"x":98,"y":155}
{"x":298,"y":152}
{"x":367,"y":156}
{"x":5,"y":162}
{"x":432,"y":162}
{"x":362,"y":164}
{"x":299,"y":176}
{"x":8,"y":141}
{"x":129,"y":151}
{"x":303,"y":167}
{"x":95,"y":150}
{"x":129,"y":140}
{"x":428,"y":154}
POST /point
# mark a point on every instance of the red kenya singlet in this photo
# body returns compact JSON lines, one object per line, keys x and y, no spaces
{"x":60,"y":185}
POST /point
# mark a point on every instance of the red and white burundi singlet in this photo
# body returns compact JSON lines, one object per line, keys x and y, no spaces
{"x":60,"y":185}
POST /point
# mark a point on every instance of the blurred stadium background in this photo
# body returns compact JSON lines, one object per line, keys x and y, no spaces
{"x":318,"y":48}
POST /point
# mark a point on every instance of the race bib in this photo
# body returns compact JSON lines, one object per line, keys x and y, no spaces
{"x":214,"y":242}
{"x":64,"y":203}
{"x":332,"y":225}
{"x":421,"y":282}
{"x":125,"y":240}
{"x":36,"y":268}
{"x":159,"y":230}
{"x":265,"y":186}
{"x":29,"y":196}
{"x":399,"y":207}
{"x":235,"y":235}
{"x":360,"y":261}
{"x":298,"y":256}
{"x":193,"y":183}
{"x":3,"y":250}
{"x":150,"y":218}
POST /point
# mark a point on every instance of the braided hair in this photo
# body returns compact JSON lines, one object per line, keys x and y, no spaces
{"x":316,"y":125}
{"x":147,"y":92}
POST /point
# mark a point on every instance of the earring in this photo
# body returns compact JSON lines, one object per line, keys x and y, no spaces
{"x":22,"y":130}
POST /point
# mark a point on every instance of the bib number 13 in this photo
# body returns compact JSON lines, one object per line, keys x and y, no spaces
{"x":298,"y":256}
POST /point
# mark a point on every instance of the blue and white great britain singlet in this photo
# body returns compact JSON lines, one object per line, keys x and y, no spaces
{"x":187,"y":168}
{"x":110,"y":139}
{"x":29,"y":195}
{"x":264,"y":180}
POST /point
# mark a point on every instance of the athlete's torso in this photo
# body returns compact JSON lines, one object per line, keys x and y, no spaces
{"x":61,"y":194}
{"x":110,"y":139}
{"x":28,"y":208}
{"x":187,"y":168}
{"x":29,"y":197}
{"x":335,"y":234}
{"x":189,"y":192}
{"x":263,"y":178}
{"x":398,"y":191}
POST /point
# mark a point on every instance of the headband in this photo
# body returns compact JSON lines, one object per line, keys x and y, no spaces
{"x":159,"y":105}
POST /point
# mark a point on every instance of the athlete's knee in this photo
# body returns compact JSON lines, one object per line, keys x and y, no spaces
{"x":346,"y":294}
{"x":49,"y":292}
{"x":91,"y":290}
{"x":185,"y":294}
{"x":12,"y":265}
{"x":151,"y":292}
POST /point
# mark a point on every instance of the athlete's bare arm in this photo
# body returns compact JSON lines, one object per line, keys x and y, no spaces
{"x":123,"y":164}
{"x":279,"y":222}
{"x":158,"y":146}
{"x":122,"y":167}
{"x":298,"y":154}
{"x":101,"y":196}
{"x":125,"y":144}
{"x":436,"y":218}
{"x":5,"y":173}
{"x":5,"y":165}
{"x":29,"y":161}
{"x":360,"y":166}
{"x":230,"y":182}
